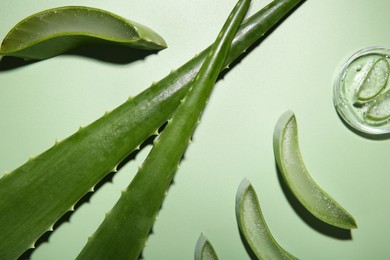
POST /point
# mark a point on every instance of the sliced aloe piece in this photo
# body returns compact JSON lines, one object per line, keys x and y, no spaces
{"x":204,"y":250}
{"x":54,"y":31}
{"x":373,"y":81}
{"x":253,"y":226}
{"x":294,"y":172}
{"x":380,"y":109}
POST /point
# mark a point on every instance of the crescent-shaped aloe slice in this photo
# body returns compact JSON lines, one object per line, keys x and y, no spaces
{"x":54,"y":31}
{"x":204,"y":250}
{"x":373,"y":81}
{"x":123,"y":233}
{"x":39,"y":192}
{"x":298,"y":179}
{"x":380,"y":109}
{"x":253,"y":226}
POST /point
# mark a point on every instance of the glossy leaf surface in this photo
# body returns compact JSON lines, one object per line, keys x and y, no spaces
{"x":55,"y":31}
{"x":60,"y":176}
{"x":127,"y":226}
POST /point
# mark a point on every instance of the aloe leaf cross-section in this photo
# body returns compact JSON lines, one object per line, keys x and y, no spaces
{"x":57,"y":30}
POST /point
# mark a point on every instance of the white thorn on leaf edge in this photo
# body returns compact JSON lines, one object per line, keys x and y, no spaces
{"x":51,"y":228}
{"x":107,"y":214}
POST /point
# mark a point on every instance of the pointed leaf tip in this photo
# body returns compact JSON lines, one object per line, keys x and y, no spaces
{"x":204,"y":250}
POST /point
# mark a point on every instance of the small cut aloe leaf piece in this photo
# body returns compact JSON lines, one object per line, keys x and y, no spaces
{"x":253,"y":226}
{"x":204,"y":250}
{"x":373,"y":81}
{"x":55,"y":31}
{"x":380,"y":108}
{"x":61,"y":175}
{"x":294,"y":172}
{"x":126,"y":227}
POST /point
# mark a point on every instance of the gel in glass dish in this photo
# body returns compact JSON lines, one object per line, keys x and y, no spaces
{"x":362,"y":91}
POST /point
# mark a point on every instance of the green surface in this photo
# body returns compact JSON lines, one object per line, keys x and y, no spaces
{"x":294,"y":68}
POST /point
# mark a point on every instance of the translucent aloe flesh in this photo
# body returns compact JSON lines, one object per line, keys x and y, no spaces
{"x":380,"y":109}
{"x":204,"y":250}
{"x":298,"y":179}
{"x":124,"y":231}
{"x":373,"y":82}
{"x":54,"y":31}
{"x":253,"y":226}
{"x":39,"y":192}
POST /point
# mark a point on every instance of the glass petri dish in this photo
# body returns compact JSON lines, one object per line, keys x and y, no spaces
{"x":361,"y":93}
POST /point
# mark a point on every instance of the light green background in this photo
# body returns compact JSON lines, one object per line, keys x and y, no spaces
{"x":294,"y":68}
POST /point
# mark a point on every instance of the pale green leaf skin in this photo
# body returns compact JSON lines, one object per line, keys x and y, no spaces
{"x":55,"y":31}
{"x":294,"y":172}
{"x":39,"y":192}
{"x":204,"y":250}
{"x":252,"y":224}
{"x":124,"y":231}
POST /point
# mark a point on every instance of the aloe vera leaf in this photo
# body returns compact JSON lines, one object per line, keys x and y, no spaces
{"x":204,"y":250}
{"x":294,"y":172}
{"x":125,"y":229}
{"x":373,"y":81}
{"x":55,"y":31}
{"x":252,"y":224}
{"x":39,"y":192}
{"x":380,"y":108}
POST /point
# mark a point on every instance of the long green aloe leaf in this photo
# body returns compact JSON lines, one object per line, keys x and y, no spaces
{"x":38,"y":193}
{"x":57,"y":30}
{"x":124,"y":231}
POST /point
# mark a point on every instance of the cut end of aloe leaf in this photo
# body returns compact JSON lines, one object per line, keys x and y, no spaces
{"x":303,"y":187}
{"x":253,"y":226}
{"x":55,"y":31}
{"x":204,"y":250}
